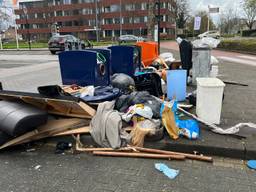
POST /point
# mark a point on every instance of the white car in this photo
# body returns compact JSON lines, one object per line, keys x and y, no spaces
{"x":213,"y":34}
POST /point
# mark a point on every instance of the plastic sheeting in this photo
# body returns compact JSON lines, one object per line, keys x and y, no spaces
{"x":206,"y":42}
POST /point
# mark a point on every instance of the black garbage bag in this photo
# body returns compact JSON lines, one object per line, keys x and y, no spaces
{"x":123,"y":82}
{"x":141,"y":97}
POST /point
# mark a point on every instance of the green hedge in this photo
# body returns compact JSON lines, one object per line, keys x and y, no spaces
{"x":241,"y":45}
{"x":249,"y":33}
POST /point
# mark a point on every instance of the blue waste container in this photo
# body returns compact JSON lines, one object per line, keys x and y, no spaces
{"x":83,"y":68}
{"x":125,"y":59}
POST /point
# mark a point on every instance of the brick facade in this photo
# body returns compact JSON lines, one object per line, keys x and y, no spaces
{"x":78,"y":17}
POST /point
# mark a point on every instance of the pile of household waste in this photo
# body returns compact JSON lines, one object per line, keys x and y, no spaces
{"x":121,"y":96}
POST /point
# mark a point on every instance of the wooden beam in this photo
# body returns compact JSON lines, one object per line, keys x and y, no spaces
{"x":82,"y":130}
{"x":139,"y":155}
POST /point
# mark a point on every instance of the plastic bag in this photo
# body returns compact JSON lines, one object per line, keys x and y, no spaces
{"x":214,"y":60}
{"x":188,"y":128}
{"x":206,"y":42}
{"x":168,"y":120}
{"x":141,"y":97}
{"x":89,"y":91}
{"x":170,"y":173}
{"x":138,"y":109}
{"x":123,"y":82}
{"x":167,"y":57}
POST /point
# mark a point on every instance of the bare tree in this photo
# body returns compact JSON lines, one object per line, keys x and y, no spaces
{"x":250,"y":12}
{"x":204,"y":22}
{"x":151,"y":18}
{"x":229,"y":22}
{"x":182,"y":13}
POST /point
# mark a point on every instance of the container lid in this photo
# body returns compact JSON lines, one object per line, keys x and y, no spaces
{"x":210,"y":82}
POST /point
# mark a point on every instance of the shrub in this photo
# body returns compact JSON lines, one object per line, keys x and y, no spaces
{"x":243,"y":45}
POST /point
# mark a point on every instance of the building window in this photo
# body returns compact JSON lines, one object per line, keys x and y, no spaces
{"x":108,"y":21}
{"x":128,"y":20}
{"x":136,"y":20}
{"x":144,"y":6}
{"x":107,"y":9}
{"x":59,"y":13}
{"x":114,"y":8}
{"x":129,"y":7}
{"x":108,"y":33}
{"x":66,"y":2}
{"x":92,"y":22}
{"x":117,"y":20}
{"x":145,"y":19}
{"x":67,"y":13}
{"x":34,"y":26}
{"x":76,"y":12}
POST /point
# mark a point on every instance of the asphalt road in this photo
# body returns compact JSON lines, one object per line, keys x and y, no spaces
{"x":25,"y":71}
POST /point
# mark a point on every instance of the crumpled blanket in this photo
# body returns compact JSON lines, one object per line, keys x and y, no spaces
{"x":106,"y":127}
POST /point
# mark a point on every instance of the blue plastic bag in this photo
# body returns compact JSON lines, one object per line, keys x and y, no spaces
{"x":171,"y":173}
{"x":188,"y":128}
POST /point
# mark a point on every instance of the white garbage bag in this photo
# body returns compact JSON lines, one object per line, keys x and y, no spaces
{"x":206,"y":42}
{"x":214,"y":60}
{"x":167,"y":57}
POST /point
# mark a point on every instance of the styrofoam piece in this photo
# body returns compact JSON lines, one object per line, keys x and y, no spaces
{"x":209,"y":99}
{"x":215,"y":71}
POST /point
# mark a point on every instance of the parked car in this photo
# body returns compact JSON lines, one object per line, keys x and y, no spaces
{"x":70,"y":42}
{"x":129,"y":38}
{"x":213,"y":34}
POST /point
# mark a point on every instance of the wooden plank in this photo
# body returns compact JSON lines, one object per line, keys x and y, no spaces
{"x":138,"y":155}
{"x":87,"y":108}
{"x":50,"y":126}
{"x":82,"y":130}
{"x":50,"y":133}
{"x":187,"y":155}
{"x":67,"y":108}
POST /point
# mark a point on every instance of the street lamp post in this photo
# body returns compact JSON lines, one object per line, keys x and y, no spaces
{"x":120,"y":17}
{"x":27,"y":26}
{"x":97,"y":23}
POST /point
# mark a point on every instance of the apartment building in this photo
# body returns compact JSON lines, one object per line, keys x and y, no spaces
{"x":89,"y":18}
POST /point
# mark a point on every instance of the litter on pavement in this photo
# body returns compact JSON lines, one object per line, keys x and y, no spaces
{"x":170,"y":173}
{"x":121,"y":96}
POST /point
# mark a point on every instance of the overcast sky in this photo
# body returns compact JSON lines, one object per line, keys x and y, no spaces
{"x":224,"y":5}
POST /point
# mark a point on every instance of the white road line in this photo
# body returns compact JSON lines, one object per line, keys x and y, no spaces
{"x":247,"y":57}
{"x":235,"y":60}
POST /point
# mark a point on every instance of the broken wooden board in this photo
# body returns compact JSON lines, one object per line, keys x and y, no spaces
{"x":51,"y":128}
{"x":82,"y":130}
{"x":62,"y":105}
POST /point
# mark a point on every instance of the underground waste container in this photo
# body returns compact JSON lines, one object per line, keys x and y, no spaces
{"x":201,"y":58}
{"x":209,"y":99}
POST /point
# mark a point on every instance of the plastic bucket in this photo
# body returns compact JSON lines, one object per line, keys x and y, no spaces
{"x":176,"y":84}
{"x":209,"y":99}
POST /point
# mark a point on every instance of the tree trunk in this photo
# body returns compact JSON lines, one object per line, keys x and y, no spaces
{"x":151,"y":19}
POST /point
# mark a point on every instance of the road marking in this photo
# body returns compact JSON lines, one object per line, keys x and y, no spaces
{"x":236,"y":60}
{"x":247,"y":57}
